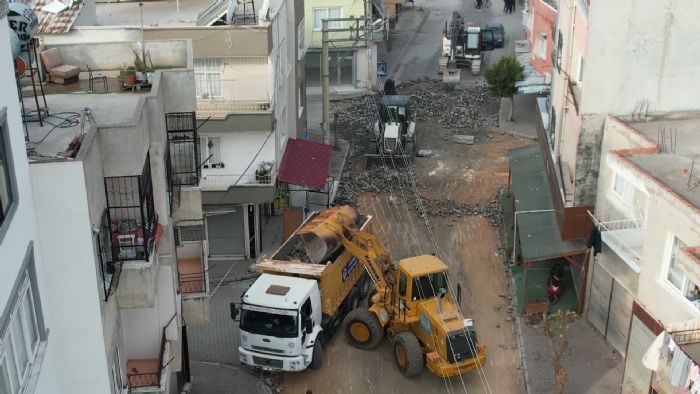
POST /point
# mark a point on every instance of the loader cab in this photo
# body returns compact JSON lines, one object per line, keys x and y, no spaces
{"x":420,"y":278}
{"x":396,"y":109}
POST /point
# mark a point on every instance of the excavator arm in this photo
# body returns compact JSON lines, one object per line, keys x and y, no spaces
{"x":370,"y":252}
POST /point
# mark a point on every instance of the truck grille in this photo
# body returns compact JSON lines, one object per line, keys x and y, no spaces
{"x":267,"y":349}
{"x":268,"y":362}
{"x":459,"y":347}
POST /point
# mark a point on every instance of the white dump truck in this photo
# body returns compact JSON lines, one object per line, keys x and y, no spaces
{"x":306,"y":289}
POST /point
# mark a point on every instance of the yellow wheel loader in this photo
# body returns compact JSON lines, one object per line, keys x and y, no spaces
{"x":410,"y":304}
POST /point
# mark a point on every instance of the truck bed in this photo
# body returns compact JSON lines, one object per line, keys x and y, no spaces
{"x":335,"y":277}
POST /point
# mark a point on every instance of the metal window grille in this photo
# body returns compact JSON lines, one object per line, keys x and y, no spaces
{"x":183,"y":144}
{"x":131,"y":214}
{"x":207,"y":76}
{"x":109,"y":268}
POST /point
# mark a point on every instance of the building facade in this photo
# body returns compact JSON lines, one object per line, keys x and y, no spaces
{"x":646,"y":276}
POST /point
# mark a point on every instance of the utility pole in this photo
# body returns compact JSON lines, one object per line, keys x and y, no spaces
{"x":325,"y":79}
{"x":335,"y":134}
{"x":368,"y":43}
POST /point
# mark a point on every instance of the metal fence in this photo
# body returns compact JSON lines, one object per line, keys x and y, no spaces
{"x":183,"y":145}
{"x":131,"y":214}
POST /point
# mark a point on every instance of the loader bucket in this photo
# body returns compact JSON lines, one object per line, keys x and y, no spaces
{"x":321,"y":236}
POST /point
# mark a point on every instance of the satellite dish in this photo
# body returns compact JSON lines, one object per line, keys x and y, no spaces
{"x":15,"y":45}
{"x":23,"y":21}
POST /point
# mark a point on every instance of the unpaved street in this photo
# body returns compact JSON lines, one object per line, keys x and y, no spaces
{"x":465,"y":176}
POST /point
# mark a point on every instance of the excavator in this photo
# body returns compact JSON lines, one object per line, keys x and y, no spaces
{"x":410,"y":304}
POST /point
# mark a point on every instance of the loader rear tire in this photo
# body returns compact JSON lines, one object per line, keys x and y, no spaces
{"x":363,"y":329}
{"x":408,"y":354}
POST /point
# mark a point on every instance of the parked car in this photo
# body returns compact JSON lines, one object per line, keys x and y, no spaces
{"x":499,"y":33}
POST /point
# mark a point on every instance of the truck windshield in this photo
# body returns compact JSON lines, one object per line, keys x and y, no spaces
{"x":428,"y":286}
{"x":268,"y":323}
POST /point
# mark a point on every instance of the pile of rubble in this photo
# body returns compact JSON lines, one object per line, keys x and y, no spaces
{"x":466,"y":108}
{"x":378,"y":180}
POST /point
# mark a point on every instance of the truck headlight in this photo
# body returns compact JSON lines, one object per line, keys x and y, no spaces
{"x":291,"y":345}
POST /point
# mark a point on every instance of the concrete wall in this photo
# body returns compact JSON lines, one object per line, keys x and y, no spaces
{"x":632,"y":63}
{"x":238,"y":151}
{"x":74,"y":295}
{"x":110,"y":56}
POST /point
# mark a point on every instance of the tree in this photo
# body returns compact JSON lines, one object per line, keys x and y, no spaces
{"x":556,"y":325}
{"x":502,"y":77}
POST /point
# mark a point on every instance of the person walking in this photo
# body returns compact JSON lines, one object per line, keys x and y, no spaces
{"x":479,"y":4}
{"x":505,"y":6}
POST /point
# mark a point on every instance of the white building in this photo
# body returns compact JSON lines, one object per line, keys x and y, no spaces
{"x":92,"y":196}
{"x":250,"y":98}
{"x":647,"y":275}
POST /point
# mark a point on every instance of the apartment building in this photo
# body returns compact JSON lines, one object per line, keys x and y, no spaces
{"x":250,"y":98}
{"x":104,"y":275}
{"x":352,"y":65}
{"x":646,"y":277}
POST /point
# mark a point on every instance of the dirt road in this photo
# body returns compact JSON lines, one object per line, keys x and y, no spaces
{"x":467,"y":174}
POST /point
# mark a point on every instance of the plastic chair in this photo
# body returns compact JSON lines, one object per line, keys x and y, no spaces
{"x":96,"y":77}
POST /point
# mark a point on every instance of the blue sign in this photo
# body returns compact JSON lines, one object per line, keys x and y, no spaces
{"x":349,"y":267}
{"x":425,"y":323}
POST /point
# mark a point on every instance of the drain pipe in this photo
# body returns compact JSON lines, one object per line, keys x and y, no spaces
{"x":515,"y":229}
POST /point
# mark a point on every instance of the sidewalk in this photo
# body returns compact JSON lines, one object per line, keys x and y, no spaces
{"x":523,"y":116}
{"x":592,"y":366}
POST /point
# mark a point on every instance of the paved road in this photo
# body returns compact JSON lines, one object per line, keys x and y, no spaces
{"x":413,"y":51}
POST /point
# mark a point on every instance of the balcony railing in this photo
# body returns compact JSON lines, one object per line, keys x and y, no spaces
{"x":193,"y":271}
{"x":624,"y":237}
{"x":250,"y":178}
{"x":222,"y":108}
{"x":183,"y":160}
{"x":149,"y":372}
{"x":131,"y":214}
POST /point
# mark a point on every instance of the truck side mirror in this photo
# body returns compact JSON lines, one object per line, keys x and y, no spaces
{"x":234,"y":311}
{"x":308,"y":324}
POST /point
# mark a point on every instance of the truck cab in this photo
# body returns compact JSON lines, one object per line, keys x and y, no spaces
{"x":280,"y":323}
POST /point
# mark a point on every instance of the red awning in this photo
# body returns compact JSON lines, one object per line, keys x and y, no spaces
{"x":305,"y":163}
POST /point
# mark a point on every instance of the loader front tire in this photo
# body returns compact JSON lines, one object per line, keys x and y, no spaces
{"x":363,"y":329}
{"x":408,"y":354}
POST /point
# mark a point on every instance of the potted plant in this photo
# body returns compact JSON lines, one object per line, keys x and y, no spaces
{"x":128,"y":75}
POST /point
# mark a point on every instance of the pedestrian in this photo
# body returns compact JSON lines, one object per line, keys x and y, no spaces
{"x":479,"y":3}
{"x":512,"y":6}
{"x":505,"y":6}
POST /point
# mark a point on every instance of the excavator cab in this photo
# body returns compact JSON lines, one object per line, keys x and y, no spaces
{"x":395,"y":131}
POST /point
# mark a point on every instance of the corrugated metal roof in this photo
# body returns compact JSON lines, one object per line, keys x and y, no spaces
{"x":533,"y":82}
{"x":50,"y":23}
{"x":305,"y":163}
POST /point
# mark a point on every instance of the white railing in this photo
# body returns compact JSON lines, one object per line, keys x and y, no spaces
{"x":221,"y":108}
{"x":250,"y":178}
{"x":624,"y":237}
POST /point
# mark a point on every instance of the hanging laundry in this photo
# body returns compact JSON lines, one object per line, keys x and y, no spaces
{"x":692,"y":375}
{"x":680,"y":367}
{"x":595,"y":241}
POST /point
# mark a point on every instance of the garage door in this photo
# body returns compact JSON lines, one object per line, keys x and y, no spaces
{"x":610,"y":308}
{"x":225,"y":233}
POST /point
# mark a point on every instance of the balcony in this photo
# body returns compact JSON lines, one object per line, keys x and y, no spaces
{"x":625,"y":238}
{"x":219,"y":109}
{"x":193,"y":267}
{"x":252,"y":178}
{"x":147,"y":375}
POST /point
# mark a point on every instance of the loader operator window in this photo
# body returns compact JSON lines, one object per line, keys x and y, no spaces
{"x":428,"y":286}
{"x":268,"y":323}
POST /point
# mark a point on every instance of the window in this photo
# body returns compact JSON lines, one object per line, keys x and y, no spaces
{"x":402,"y":284}
{"x":207,"y":77}
{"x":327,"y":13}
{"x":428,"y":286}
{"x":20,"y":342}
{"x":306,"y":308}
{"x":190,"y":233}
{"x":6,"y":193}
{"x":210,"y":146}
{"x":541,"y":45}
{"x":560,"y":49}
{"x":623,"y":189}
{"x":301,"y":98}
{"x":301,"y":41}
{"x":579,"y":78}
{"x":675,"y":275}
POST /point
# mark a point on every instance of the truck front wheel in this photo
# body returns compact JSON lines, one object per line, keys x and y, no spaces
{"x":363,"y":329}
{"x":317,"y":356}
{"x":408,"y":354}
